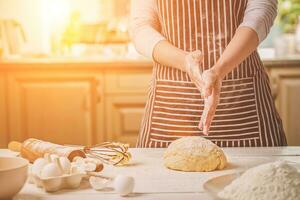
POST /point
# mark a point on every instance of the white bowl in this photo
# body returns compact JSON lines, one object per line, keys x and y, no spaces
{"x":13,"y":175}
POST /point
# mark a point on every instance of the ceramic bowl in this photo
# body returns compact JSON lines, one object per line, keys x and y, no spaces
{"x":13,"y":175}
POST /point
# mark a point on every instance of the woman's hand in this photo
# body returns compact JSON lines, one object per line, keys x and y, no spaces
{"x":192,"y":67}
{"x":211,"y":89}
{"x":209,"y":85}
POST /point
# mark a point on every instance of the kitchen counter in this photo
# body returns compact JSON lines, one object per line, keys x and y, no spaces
{"x":86,"y":63}
{"x":282,"y":62}
{"x":94,"y":62}
{"x":154,"y":181}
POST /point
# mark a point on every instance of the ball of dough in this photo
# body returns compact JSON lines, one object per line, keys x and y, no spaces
{"x":194,"y":154}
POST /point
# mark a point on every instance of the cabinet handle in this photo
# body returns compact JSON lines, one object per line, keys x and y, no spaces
{"x":86,"y":103}
{"x":274,"y":87}
{"x":98,"y":98}
{"x":98,"y":91}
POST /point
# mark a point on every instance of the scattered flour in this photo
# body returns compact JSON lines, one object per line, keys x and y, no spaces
{"x":275,"y":181}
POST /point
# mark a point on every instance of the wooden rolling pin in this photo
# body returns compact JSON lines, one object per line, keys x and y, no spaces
{"x":31,"y":149}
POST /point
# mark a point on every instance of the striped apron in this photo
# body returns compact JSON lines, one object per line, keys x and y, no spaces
{"x":246,"y":114}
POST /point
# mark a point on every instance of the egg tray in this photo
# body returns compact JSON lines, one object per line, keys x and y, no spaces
{"x":53,"y":184}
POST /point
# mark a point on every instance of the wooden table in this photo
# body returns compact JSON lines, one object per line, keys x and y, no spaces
{"x":154,"y":181}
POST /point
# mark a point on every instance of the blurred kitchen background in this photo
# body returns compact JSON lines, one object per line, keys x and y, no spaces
{"x":69,"y":73}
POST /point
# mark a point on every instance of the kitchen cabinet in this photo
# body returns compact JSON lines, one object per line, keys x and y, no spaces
{"x":81,"y":103}
{"x":3,"y":113}
{"x":125,"y":100}
{"x":62,"y":107}
{"x":134,"y":81}
{"x":286,"y":89}
{"x":123,"y":117}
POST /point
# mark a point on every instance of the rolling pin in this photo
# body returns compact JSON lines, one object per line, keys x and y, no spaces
{"x":32,"y":149}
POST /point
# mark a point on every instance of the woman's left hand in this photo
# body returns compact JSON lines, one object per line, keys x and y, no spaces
{"x":211,"y":94}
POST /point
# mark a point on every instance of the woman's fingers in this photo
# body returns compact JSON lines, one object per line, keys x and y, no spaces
{"x":197,"y":55}
{"x":197,"y":79}
{"x":210,"y":106}
{"x":193,"y":60}
{"x":193,"y":69}
{"x":210,"y":113}
{"x":209,"y":79}
{"x":204,"y":113}
{"x":207,"y":89}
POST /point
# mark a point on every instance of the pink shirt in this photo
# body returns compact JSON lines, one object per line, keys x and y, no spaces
{"x":146,"y":30}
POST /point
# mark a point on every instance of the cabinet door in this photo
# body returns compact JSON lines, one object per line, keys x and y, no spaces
{"x":123,"y":117}
{"x":60,"y":107}
{"x":3,"y":112}
{"x":129,"y":81}
{"x":287,"y":90}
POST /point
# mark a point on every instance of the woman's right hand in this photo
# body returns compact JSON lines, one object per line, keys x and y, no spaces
{"x":209,"y":85}
{"x":192,"y":67}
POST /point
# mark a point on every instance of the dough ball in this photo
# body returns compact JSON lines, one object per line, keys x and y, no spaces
{"x":194,"y":154}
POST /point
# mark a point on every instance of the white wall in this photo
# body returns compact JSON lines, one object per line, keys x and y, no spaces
{"x":35,"y":15}
{"x":27,"y":12}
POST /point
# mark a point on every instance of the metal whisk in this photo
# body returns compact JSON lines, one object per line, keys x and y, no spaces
{"x":109,"y":152}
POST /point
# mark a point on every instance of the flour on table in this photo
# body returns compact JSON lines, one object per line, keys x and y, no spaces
{"x":275,"y":181}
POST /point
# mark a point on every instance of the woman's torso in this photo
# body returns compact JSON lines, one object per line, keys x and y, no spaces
{"x":245,"y":115}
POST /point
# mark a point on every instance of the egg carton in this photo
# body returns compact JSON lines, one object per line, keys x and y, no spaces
{"x":54,"y":184}
{"x":55,"y":173}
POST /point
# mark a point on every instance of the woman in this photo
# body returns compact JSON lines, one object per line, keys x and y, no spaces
{"x":208,"y":79}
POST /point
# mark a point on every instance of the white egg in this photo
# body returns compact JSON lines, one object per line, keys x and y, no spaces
{"x":51,"y":170}
{"x":53,"y":157}
{"x":76,"y":170}
{"x":50,"y":157}
{"x":64,"y":164}
{"x":78,"y":159}
{"x":124,"y":184}
{"x":38,"y":165}
{"x":90,"y":167}
{"x":98,"y":183}
{"x":47,"y":157}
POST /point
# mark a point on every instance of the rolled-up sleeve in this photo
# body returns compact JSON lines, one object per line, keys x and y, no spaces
{"x":145,"y":26}
{"x":259,"y":16}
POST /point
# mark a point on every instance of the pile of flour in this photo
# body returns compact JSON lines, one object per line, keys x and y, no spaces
{"x":275,"y":181}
